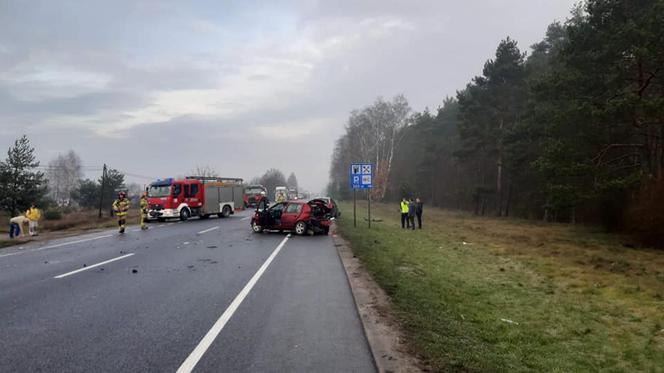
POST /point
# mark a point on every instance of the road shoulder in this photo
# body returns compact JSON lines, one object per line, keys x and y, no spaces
{"x":386,"y":339}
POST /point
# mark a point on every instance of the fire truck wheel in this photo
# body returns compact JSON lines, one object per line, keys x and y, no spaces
{"x":184,"y":214}
{"x":226,"y":211}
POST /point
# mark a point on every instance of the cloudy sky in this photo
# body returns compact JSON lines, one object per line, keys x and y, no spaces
{"x":155,"y":88}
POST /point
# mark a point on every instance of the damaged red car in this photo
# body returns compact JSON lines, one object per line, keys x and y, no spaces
{"x":298,"y":216}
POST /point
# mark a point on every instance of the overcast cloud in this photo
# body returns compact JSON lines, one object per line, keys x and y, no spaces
{"x":155,"y":88}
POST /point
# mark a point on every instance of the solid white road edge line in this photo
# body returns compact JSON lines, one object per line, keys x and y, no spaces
{"x":208,"y":230}
{"x":92,"y":266}
{"x":58,"y":245}
{"x":190,"y":363}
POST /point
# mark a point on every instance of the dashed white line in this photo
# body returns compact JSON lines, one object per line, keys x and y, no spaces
{"x":190,"y":363}
{"x":246,"y":218}
{"x":208,"y":230}
{"x":58,"y":245}
{"x":93,"y":266}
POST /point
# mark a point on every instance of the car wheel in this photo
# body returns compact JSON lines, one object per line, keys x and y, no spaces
{"x":256,"y":228}
{"x":184,"y":214}
{"x":300,"y":228}
{"x":226,"y":211}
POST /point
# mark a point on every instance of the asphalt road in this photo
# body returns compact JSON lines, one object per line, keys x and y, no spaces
{"x":207,"y":295}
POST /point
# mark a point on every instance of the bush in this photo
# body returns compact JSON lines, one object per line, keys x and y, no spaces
{"x":53,"y":214}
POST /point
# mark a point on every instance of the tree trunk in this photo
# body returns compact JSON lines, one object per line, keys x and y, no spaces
{"x":499,"y":164}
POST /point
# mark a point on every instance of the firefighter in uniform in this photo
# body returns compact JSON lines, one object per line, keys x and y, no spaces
{"x":120,"y":207}
{"x":144,"y":211}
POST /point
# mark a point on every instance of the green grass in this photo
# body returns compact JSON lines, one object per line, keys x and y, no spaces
{"x":582,"y":301}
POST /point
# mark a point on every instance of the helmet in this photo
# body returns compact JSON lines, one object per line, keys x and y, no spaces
{"x":262,"y":193}
{"x":122,"y":194}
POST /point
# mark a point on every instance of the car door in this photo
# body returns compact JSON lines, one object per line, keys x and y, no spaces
{"x":274,"y":216}
{"x":291,"y":215}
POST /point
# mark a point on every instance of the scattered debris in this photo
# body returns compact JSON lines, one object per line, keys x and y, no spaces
{"x":134,"y":270}
{"x":46,"y":262}
{"x":463,"y":317}
{"x":502,"y":269}
{"x":186,"y":243}
{"x":509,"y":321}
{"x":101,"y":269}
{"x":85,"y":265}
{"x":212,"y":246}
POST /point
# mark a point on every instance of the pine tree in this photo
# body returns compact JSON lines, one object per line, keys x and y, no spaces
{"x":20,"y":183}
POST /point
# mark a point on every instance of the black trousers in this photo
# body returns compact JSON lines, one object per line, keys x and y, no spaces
{"x":419,"y":220}
{"x":404,"y":220}
{"x":411,"y":221}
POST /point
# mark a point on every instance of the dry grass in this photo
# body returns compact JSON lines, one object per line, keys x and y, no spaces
{"x":583,"y":300}
{"x":70,"y":224}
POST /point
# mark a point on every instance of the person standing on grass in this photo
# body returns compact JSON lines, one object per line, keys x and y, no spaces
{"x":418,"y":212}
{"x":411,"y":213}
{"x":33,"y":214}
{"x":404,"y":213}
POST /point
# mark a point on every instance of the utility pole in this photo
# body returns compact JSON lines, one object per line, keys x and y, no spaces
{"x":101,"y":194}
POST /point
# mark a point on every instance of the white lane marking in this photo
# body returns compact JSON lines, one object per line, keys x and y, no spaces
{"x":208,"y":230}
{"x":93,"y":266}
{"x":196,"y":355}
{"x":58,"y":245}
{"x":246,"y":218}
{"x":160,"y":225}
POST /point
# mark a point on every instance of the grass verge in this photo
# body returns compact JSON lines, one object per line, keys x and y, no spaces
{"x":486,"y":294}
{"x":72,"y":223}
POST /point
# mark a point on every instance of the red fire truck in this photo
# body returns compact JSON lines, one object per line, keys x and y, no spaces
{"x":194,"y":196}
{"x":252,"y":193}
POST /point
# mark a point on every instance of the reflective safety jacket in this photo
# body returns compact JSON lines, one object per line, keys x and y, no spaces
{"x":121,"y":207}
{"x":144,"y":205}
{"x":404,"y":207}
{"x":33,"y":214}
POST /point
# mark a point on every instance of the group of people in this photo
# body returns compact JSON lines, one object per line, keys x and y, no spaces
{"x":409,"y":210}
{"x":30,"y":218}
{"x":121,"y":208}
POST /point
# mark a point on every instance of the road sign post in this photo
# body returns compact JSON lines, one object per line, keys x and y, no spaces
{"x":354,"y":208}
{"x":361,"y":177}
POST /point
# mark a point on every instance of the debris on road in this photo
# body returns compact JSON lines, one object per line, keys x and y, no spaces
{"x":509,"y":321}
{"x":134,"y":270}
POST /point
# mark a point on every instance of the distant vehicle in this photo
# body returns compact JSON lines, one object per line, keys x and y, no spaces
{"x":280,"y":194}
{"x":194,"y":196}
{"x":332,"y":205}
{"x":251,"y":192}
{"x":299,"y":216}
{"x":292,"y":193}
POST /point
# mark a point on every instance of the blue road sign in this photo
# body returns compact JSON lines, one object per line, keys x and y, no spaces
{"x":361,"y":176}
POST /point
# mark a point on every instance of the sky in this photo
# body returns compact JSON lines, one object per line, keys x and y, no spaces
{"x":156,"y":88}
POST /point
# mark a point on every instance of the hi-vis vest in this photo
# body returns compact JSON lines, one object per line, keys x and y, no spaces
{"x":404,"y":207}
